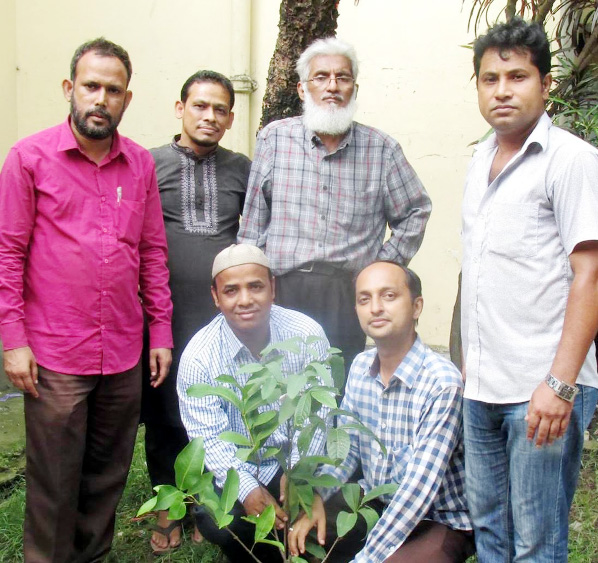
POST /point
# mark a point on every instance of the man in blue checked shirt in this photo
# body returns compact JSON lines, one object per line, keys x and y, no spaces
{"x":411,"y":398}
{"x":243,"y":290}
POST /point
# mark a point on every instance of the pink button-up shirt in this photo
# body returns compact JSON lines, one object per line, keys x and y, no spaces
{"x":77,"y":240}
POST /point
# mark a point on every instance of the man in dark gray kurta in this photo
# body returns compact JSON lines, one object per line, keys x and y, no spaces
{"x":202,"y":188}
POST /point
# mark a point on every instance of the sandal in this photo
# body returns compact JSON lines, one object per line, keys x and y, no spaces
{"x":165,"y":531}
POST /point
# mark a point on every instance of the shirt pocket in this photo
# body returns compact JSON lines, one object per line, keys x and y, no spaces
{"x":129,"y":220}
{"x":513,"y":229}
{"x":400,"y":456}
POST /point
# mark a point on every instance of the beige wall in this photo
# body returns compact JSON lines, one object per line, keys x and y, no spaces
{"x":414,"y":84}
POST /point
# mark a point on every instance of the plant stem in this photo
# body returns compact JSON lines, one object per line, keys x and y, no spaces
{"x":330,"y":550}
{"x":244,"y":546}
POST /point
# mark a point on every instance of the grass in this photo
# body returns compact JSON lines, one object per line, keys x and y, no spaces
{"x":131,"y":540}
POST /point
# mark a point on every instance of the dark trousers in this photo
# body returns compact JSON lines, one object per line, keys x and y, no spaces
{"x":163,"y":443}
{"x":429,"y":542}
{"x":327,"y":295}
{"x":245,"y":531}
{"x":80,"y":438}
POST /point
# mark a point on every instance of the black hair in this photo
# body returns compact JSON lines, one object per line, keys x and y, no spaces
{"x":515,"y":35}
{"x":103,"y":48}
{"x":208,"y":76}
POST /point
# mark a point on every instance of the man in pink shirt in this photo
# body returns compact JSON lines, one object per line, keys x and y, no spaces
{"x":81,"y":231}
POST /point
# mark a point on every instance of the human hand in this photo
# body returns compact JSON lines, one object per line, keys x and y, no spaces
{"x":547,"y":416}
{"x":159,"y":363}
{"x":21,"y":368}
{"x":283,"y":488}
{"x":258,"y":499}
{"x":300,"y":528}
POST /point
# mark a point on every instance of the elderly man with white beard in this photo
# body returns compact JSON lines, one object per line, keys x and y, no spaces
{"x":323,"y":189}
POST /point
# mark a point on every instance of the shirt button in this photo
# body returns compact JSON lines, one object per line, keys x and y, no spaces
{"x":106,"y":260}
{"x":104,"y":293}
{"x":103,"y":199}
{"x":325,"y":188}
{"x":322,"y":217}
{"x":320,"y":244}
{"x":384,"y":425}
{"x":105,"y":230}
{"x":103,"y":327}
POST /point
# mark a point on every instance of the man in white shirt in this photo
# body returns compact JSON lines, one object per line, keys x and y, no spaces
{"x":529,"y":305}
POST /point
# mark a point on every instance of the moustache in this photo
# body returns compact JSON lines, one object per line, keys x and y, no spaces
{"x":99,"y":112}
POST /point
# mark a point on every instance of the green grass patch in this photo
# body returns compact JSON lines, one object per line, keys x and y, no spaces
{"x":131,"y":540}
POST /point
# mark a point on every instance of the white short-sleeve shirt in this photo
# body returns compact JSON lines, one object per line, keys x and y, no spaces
{"x":518,"y":232}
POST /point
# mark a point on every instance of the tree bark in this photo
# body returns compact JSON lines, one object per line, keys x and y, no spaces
{"x":301,"y":22}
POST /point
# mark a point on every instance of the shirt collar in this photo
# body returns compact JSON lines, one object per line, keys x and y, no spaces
{"x":68,"y":142}
{"x":408,"y":370}
{"x":189,"y":152}
{"x":312,"y":137}
{"x":539,"y":136}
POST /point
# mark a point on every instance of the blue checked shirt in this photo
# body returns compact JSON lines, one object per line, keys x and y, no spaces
{"x":215,"y":350}
{"x":419,"y":420}
{"x":305,"y":205}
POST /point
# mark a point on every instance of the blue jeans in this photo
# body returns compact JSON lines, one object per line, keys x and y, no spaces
{"x":520,"y":495}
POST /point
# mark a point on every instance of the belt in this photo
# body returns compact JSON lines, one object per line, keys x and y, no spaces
{"x":324,"y":268}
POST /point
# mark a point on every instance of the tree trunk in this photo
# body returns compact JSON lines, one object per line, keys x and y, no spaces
{"x":301,"y":22}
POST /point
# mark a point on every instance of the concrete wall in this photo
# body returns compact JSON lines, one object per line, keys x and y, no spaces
{"x":414,"y":84}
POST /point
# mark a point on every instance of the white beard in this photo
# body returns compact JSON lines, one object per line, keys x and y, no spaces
{"x":330,"y":120}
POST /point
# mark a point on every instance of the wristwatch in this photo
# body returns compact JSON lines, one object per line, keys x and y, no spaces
{"x":563,"y":390}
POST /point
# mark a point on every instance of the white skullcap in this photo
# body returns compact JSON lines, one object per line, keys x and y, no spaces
{"x":237,"y":255}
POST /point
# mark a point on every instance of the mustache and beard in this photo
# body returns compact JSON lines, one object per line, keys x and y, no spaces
{"x":330,"y":119}
{"x":88,"y":129}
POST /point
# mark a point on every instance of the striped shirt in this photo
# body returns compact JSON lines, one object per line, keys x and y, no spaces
{"x":418,"y":418}
{"x":215,"y":350}
{"x":305,"y":205}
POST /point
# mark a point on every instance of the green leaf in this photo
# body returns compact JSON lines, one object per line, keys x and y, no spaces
{"x":229,"y":379}
{"x":295,"y":384}
{"x":338,"y":443}
{"x":265,"y":417}
{"x":224,"y":520}
{"x":305,"y":437}
{"x":303,"y":410}
{"x":268,"y":387}
{"x":147,"y":506}
{"x":243,"y":453}
{"x":200,"y":390}
{"x":334,"y":351}
{"x":324,"y":397}
{"x":275,"y":543}
{"x":270,"y":452}
{"x":313,"y":339}
{"x":266,"y":430}
{"x":385,"y":489}
{"x":167,"y":496}
{"x":323,"y":373}
{"x":370,"y":516}
{"x":189,"y":464}
{"x":337,"y":368}
{"x":315,"y":549}
{"x":287,"y":409}
{"x":177,"y":511}
{"x":323,"y":481}
{"x":292,"y":345}
{"x":204,"y":483}
{"x":306,"y":498}
{"x":265,"y":522}
{"x":297,"y":559}
{"x":249,"y":368}
{"x":345,"y":522}
{"x":234,"y":438}
{"x":339,"y":412}
{"x":352,"y":493}
{"x":230,"y":491}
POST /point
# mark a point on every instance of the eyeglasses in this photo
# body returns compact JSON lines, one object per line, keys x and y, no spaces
{"x":323,"y":80}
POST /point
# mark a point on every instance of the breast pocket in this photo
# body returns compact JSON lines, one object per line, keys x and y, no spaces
{"x":513,"y":229}
{"x":129,"y":220}
{"x":400,"y":456}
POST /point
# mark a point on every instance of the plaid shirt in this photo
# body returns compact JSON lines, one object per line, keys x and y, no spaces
{"x":215,"y":350}
{"x":305,"y":205}
{"x":419,"y":420}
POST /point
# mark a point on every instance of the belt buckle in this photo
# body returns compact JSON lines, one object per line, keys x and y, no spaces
{"x":307,"y":270}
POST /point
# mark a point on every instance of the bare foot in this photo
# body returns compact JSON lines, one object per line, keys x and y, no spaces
{"x":197,"y":537}
{"x":166,"y":535}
